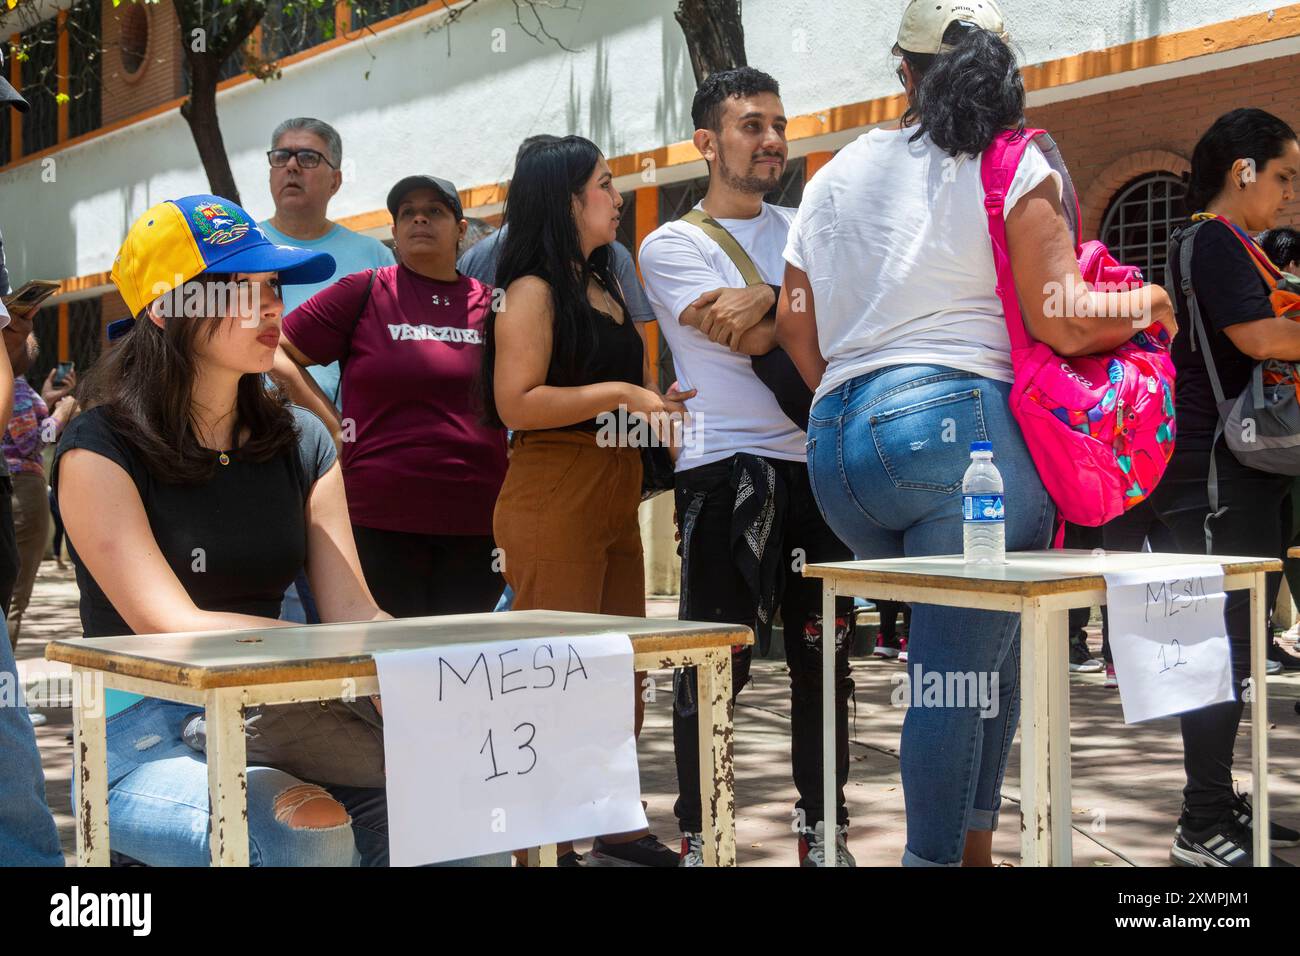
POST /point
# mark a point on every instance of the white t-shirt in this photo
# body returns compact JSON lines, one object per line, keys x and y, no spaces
{"x":895,"y":241}
{"x":734,"y":412}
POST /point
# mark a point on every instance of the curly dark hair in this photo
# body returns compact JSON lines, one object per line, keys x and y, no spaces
{"x":717,"y":88}
{"x":967,"y":95}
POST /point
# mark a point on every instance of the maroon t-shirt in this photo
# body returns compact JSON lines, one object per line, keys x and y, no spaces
{"x":421,"y":460}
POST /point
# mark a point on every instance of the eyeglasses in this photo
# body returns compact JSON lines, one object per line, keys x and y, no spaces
{"x":307,"y":158}
{"x":901,"y":78}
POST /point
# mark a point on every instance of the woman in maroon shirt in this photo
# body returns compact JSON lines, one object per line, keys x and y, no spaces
{"x":421,"y":470}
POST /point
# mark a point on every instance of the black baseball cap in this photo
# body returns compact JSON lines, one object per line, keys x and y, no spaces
{"x":445,"y":190}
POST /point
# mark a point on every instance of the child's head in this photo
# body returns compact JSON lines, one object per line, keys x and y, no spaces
{"x":1282,"y":246}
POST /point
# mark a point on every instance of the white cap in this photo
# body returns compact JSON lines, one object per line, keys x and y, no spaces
{"x":925,"y":22}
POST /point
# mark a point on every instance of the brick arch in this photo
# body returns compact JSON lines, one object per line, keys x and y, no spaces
{"x":1124,"y":170}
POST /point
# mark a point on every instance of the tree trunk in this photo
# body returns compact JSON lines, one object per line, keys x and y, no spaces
{"x":715,"y":37}
{"x":200,"y":112}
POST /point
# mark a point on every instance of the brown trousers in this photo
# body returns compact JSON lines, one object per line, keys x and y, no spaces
{"x":566,"y":521}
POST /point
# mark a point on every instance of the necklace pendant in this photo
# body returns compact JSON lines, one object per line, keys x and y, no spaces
{"x":223,"y":458}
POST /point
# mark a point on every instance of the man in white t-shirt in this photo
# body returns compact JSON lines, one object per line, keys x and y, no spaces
{"x":745,"y":510}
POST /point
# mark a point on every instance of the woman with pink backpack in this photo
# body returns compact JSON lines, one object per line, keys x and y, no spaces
{"x":891,"y":312}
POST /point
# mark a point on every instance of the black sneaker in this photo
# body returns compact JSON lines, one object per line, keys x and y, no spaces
{"x":1284,"y":657}
{"x":1081,"y":659}
{"x":647,"y":851}
{"x":1224,"y":844}
{"x":572,"y":858}
{"x":1278,"y":835}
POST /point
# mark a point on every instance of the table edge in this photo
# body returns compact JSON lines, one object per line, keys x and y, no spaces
{"x":81,"y":652}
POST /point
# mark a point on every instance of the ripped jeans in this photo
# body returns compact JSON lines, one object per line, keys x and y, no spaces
{"x":158,"y":804}
{"x":887,"y":452}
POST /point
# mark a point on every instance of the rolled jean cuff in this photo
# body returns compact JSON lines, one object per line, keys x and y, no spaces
{"x":982,"y":819}
{"x":911,"y":859}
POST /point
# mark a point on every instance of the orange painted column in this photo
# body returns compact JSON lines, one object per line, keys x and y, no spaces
{"x":815,"y":161}
{"x":342,"y":18}
{"x":64,"y":347}
{"x":647,"y":221}
{"x":62,"y":70}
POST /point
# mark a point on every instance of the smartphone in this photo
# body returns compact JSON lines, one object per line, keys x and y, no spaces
{"x":30,"y":296}
{"x":61,"y":373}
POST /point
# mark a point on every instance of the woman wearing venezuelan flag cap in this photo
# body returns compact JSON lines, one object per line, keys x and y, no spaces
{"x":191,"y":496}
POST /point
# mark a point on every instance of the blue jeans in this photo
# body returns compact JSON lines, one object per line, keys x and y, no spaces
{"x":886,"y":453}
{"x":27,"y":833}
{"x":158,"y":803}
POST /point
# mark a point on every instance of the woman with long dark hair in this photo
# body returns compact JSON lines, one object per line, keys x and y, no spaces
{"x":890,"y":253}
{"x":192,"y":495}
{"x":1243,"y":173}
{"x":559,"y":354}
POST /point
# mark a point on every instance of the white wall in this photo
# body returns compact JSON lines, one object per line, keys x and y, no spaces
{"x":402,"y":104}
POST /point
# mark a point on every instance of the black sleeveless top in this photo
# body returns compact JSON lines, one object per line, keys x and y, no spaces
{"x":617,"y":356}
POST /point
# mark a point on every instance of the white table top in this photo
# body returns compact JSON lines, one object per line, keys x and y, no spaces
{"x":314,"y":652}
{"x":1026,"y":573}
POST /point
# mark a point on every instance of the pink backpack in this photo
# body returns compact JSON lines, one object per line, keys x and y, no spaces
{"x":1100,"y":428}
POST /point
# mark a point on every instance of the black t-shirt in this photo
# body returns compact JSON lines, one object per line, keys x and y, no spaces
{"x":235,"y":542}
{"x":1230,"y":291}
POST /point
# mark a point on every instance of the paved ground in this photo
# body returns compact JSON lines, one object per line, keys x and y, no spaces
{"x":1126,"y":779}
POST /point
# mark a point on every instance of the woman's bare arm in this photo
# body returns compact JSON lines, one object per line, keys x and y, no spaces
{"x":1058,"y":308}
{"x":333,"y":567}
{"x":290,"y":371}
{"x":796,"y":326}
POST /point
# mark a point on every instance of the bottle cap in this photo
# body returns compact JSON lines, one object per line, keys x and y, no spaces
{"x":981,"y":446}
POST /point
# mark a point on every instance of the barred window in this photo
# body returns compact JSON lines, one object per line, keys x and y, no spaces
{"x":85,"y":40}
{"x":1139,"y":220}
{"x":40,"y":86}
{"x":85,"y":337}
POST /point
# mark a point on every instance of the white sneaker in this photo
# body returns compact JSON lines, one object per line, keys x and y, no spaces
{"x":692,"y":849}
{"x":38,"y":720}
{"x":812,"y":847}
{"x":1272,"y":667}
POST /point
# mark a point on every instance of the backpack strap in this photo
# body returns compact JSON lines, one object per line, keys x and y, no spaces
{"x":1263,"y":263}
{"x":997,"y":169}
{"x":1180,"y":250}
{"x":702,"y":221}
{"x":365,"y":301}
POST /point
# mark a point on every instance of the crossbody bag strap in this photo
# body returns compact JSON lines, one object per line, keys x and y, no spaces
{"x":727,"y":243}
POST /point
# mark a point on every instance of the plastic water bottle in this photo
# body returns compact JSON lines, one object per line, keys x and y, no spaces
{"x":984,"y":527}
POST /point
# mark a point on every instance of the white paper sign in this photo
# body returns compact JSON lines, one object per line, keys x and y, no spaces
{"x":503,"y":746}
{"x":1168,"y":639}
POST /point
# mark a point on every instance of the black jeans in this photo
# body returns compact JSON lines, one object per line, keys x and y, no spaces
{"x":1249,"y":526}
{"x":1077,"y":536}
{"x":1127,"y":533}
{"x":415,"y":575}
{"x":713,"y":590}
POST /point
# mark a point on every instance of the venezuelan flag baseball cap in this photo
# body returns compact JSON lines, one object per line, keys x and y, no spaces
{"x":177,"y":240}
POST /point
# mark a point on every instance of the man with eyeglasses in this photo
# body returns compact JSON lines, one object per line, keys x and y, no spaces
{"x":305,"y":157}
